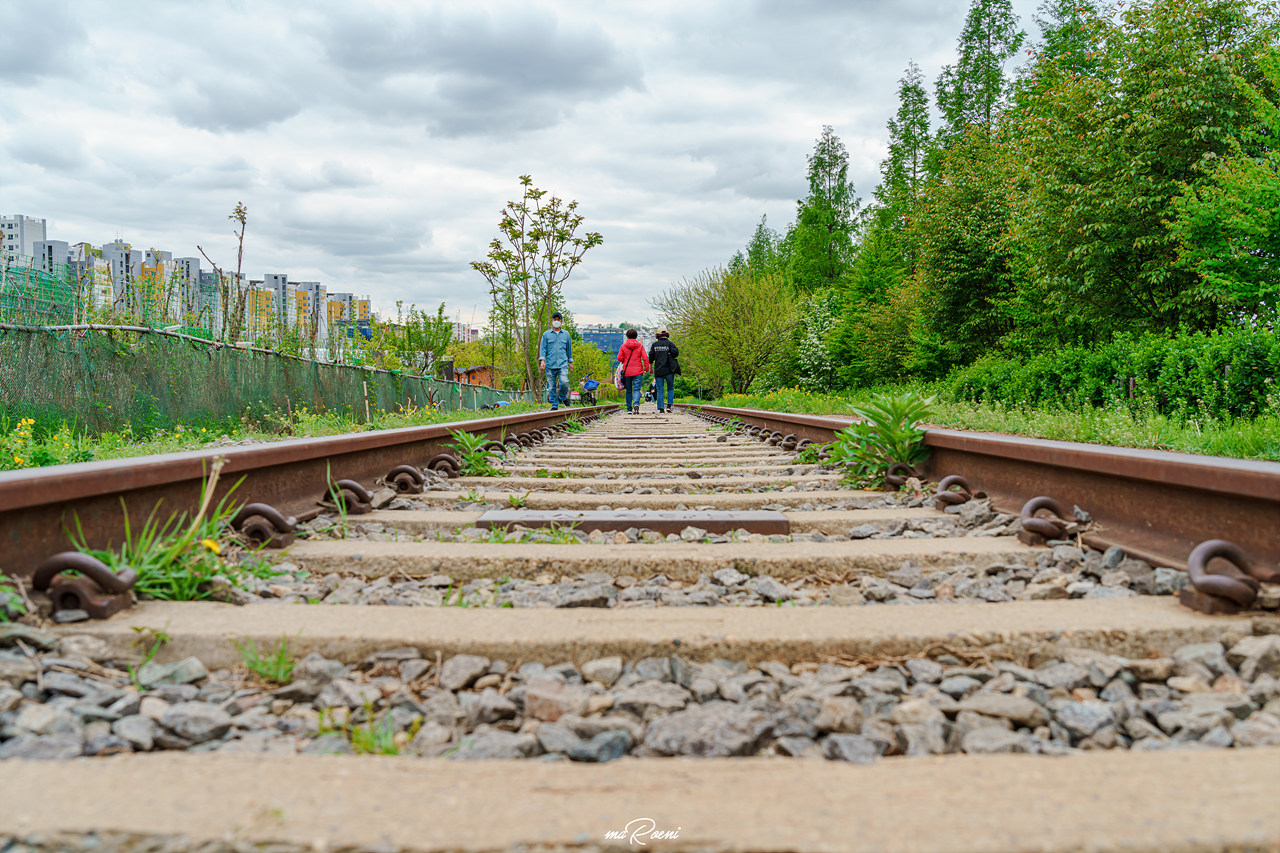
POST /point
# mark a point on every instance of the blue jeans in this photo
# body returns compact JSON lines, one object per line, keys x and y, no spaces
{"x":632,"y":384}
{"x":669,"y":384}
{"x":558,"y":386}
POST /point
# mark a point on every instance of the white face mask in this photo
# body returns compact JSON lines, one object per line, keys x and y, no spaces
{"x":555,"y":324}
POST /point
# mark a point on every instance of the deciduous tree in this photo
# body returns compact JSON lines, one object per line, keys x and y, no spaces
{"x":729,"y":324}
{"x":537,"y":248}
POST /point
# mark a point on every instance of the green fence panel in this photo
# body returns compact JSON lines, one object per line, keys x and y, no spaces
{"x":103,"y":380}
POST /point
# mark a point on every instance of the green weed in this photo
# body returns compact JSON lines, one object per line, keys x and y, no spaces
{"x":518,"y":501}
{"x":369,"y":737}
{"x":176,"y":559}
{"x":553,"y":475}
{"x":12,"y":605}
{"x":887,"y":432}
{"x":276,"y":666}
{"x":475,"y":461}
{"x":155,"y":638}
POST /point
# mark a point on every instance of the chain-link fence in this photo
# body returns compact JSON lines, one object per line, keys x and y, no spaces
{"x":103,"y":379}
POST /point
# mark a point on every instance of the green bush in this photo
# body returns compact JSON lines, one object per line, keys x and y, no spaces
{"x":1225,"y":374}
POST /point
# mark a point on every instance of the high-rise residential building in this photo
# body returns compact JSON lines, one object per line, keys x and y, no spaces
{"x":465,"y":333}
{"x":51,"y":255}
{"x":93,"y":276}
{"x":608,"y":339}
{"x":308,"y":309}
{"x":19,"y":235}
{"x":260,"y":316}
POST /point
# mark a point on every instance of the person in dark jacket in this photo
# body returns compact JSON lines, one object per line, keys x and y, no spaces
{"x":635,"y":364}
{"x":662,"y":355}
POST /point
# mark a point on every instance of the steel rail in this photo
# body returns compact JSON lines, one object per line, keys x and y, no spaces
{"x":1157,"y":505}
{"x":40,"y":506}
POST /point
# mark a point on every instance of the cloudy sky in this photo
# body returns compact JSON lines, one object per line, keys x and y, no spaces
{"x":375,"y":143}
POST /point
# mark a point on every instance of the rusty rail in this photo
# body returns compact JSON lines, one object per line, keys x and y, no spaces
{"x":38,"y":506}
{"x":1156,"y":505}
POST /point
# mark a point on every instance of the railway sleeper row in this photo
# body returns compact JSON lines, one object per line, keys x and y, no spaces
{"x":684,"y":641}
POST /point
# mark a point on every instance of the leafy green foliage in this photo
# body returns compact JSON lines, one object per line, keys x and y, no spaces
{"x":12,"y":605}
{"x":554,"y":475}
{"x":368,"y":736}
{"x":537,"y":247}
{"x":887,"y":432}
{"x":274,"y":666}
{"x":179,"y":558}
{"x":1229,"y":225}
{"x":971,"y":91}
{"x":1228,"y":374}
{"x":821,"y":243}
{"x":729,"y":324}
{"x":475,"y":460}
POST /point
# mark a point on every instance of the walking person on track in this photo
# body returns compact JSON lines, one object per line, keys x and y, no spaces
{"x":635,"y":364}
{"x":662,"y":355}
{"x":555,"y":356}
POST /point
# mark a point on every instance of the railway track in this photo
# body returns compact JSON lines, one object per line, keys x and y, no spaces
{"x":663,"y":623}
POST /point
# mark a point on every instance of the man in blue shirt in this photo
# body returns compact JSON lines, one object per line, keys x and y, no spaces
{"x":555,"y":356}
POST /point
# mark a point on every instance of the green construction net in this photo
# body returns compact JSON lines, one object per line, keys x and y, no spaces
{"x":104,"y":380}
{"x":32,"y":295}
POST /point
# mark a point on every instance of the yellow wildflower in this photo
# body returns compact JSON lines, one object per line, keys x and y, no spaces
{"x":211,"y":545}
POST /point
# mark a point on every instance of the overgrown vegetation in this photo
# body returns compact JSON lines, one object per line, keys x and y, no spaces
{"x":1096,"y":228}
{"x":887,"y":431}
{"x":179,"y":558}
{"x":475,"y":460}
{"x":1124,"y":425}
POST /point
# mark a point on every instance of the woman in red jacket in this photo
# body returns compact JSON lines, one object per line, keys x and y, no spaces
{"x":635,"y":364}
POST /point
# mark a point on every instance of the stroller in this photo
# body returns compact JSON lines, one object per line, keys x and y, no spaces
{"x":588,"y":386}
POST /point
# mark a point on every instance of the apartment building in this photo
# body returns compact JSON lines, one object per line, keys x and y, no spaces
{"x":153,"y":285}
{"x":19,"y":235}
{"x":465,"y":333}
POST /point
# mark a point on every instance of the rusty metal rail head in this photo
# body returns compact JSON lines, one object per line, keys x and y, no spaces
{"x":1156,"y":505}
{"x":38,"y":506}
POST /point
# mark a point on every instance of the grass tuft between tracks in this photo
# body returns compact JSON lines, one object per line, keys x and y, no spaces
{"x":181,"y":558}
{"x":1122,"y":426}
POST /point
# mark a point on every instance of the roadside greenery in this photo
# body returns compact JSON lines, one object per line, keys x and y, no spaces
{"x":1085,"y":247}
